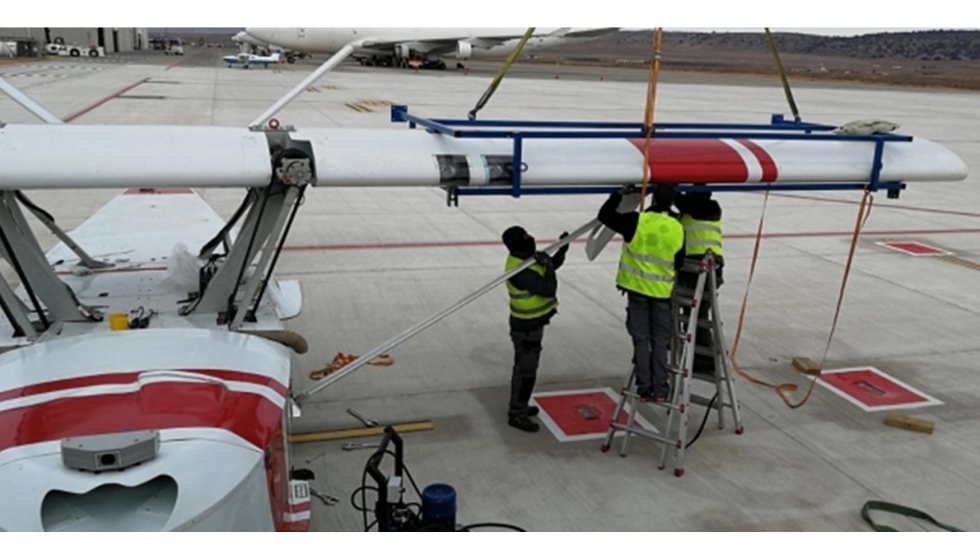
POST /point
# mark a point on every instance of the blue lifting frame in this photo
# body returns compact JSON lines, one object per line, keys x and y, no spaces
{"x":778,"y":129}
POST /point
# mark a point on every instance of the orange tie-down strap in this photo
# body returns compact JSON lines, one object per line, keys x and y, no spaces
{"x":863,"y":212}
{"x":341,"y":360}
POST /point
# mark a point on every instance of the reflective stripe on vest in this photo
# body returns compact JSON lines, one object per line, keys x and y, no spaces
{"x":524,"y":304}
{"x":701,"y":235}
{"x":646,"y":265}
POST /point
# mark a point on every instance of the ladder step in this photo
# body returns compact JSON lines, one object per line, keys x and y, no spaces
{"x":703,"y":323}
{"x":703,"y":401}
{"x":665,"y":404}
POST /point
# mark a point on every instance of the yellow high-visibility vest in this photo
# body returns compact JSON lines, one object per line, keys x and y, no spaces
{"x":524,"y":304}
{"x":701,"y":235}
{"x":646,"y":265}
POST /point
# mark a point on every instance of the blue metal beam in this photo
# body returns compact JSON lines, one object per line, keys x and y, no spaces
{"x":524,"y":191}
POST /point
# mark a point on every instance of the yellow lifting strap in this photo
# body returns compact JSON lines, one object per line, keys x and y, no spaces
{"x":500,"y":74}
{"x":782,"y":76}
{"x":658,"y":37}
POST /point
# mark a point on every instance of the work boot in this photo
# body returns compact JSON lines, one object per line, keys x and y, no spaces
{"x":533,"y":411}
{"x":523,"y":423}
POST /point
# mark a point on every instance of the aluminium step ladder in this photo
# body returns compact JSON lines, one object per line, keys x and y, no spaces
{"x":687,"y":304}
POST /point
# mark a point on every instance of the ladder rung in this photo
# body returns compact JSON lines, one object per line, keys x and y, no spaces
{"x":642,"y":432}
{"x":703,"y":401}
{"x":707,"y":376}
{"x":703,"y":323}
{"x":665,"y":404}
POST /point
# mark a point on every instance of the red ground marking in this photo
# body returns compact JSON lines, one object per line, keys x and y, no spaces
{"x":914,"y":248}
{"x":570,"y":412}
{"x":103,"y":101}
{"x":871,"y":389}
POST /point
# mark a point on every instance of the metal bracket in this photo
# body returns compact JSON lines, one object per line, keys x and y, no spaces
{"x":452,"y":196}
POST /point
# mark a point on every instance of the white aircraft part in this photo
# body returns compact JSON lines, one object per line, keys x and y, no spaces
{"x":463,"y":50}
{"x":214,"y":471}
{"x":92,"y":156}
{"x":110,"y":156}
{"x":143,"y":350}
{"x":287,"y":295}
{"x":363,"y":158}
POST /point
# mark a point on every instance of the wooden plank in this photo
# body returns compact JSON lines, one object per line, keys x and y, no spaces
{"x":360,"y":432}
{"x":909,"y":423}
{"x":806,"y":365}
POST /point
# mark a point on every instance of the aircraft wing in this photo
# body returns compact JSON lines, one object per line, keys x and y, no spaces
{"x":440,"y":46}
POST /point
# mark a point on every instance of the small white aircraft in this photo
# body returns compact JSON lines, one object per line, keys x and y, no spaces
{"x":246,"y":59}
{"x":395,"y":46}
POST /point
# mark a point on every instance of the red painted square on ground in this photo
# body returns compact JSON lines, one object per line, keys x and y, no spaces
{"x":871,"y":389}
{"x":914,"y":248}
{"x":565,"y":411}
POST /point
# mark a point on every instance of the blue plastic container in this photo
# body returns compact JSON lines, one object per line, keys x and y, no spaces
{"x":439,"y":505}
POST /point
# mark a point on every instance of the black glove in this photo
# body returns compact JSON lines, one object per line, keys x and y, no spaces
{"x":543,"y":259}
{"x":564,"y":249}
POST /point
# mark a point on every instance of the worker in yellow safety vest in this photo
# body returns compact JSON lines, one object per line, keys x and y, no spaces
{"x":533,"y":302}
{"x":653,"y":249}
{"x":701,"y":217}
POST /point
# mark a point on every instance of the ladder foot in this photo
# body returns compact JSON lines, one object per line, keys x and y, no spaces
{"x":604,"y":448}
{"x":740,"y":430}
{"x":678,"y":472}
{"x":661,"y":468}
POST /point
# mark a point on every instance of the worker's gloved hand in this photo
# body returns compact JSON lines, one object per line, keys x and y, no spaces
{"x":543,"y":259}
{"x":564,"y":249}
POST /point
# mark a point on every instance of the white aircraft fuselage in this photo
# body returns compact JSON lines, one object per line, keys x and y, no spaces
{"x":439,"y":41}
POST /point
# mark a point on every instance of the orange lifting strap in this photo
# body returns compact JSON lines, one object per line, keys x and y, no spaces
{"x":862,"y":217}
{"x":658,"y":37}
{"x":341,"y":360}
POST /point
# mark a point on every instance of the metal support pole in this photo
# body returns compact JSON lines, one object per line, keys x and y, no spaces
{"x":432,"y":320}
{"x":49,"y":222}
{"x":26,"y":102}
{"x":327,"y":66}
{"x":271,"y":248}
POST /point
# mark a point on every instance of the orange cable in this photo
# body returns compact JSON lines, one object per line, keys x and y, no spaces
{"x":648,"y":112}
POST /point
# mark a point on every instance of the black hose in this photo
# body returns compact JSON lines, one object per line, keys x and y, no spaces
{"x":466,"y":528}
{"x":704,"y":421}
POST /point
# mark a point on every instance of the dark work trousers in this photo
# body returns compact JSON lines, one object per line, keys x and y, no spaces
{"x":703,"y":336}
{"x":527,"y":354}
{"x":650,"y":322}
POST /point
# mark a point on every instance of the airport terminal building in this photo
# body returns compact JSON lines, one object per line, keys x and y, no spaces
{"x":112,"y":39}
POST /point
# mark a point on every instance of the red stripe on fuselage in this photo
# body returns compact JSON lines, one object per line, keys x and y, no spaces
{"x":769,"y":171}
{"x":701,"y":160}
{"x":156,"y":406}
{"x":131,"y":377}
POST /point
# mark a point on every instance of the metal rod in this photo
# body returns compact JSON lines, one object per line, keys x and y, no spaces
{"x":25,"y":282}
{"x":48,"y":220}
{"x":330,"y":64}
{"x":432,"y":320}
{"x":26,"y":102}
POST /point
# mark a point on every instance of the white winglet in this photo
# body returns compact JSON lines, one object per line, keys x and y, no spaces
{"x":601,"y":235}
